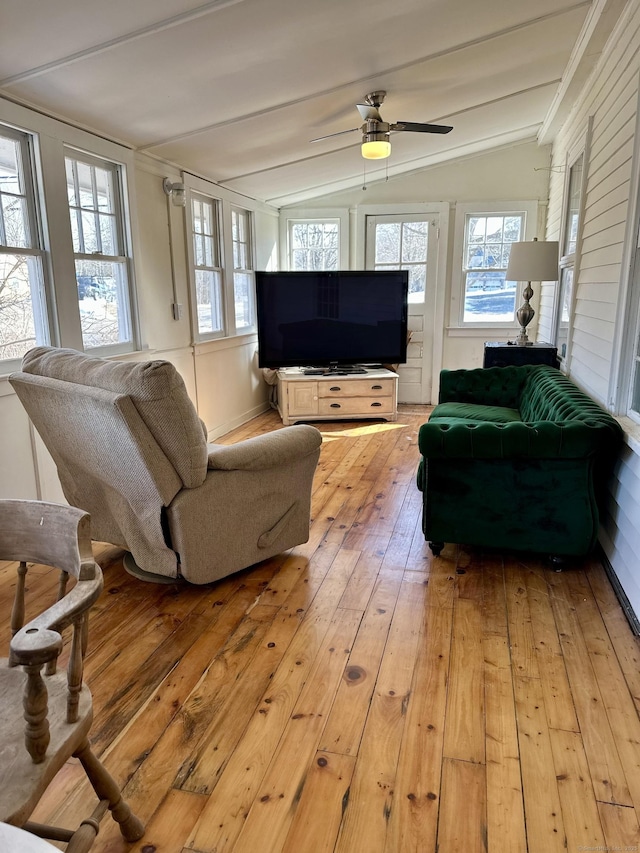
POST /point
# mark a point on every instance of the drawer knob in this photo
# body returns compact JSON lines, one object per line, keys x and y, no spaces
{"x":376,"y":387}
{"x":376,"y":404}
{"x":335,"y":388}
{"x":335,"y":405}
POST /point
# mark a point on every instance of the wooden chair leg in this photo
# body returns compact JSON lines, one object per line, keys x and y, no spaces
{"x":82,"y":839}
{"x":106,"y":788}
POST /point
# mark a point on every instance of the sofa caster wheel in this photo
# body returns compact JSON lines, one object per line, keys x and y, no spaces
{"x":436,"y":548}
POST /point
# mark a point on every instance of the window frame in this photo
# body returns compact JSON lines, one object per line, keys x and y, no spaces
{"x":218,"y":243}
{"x":36,"y":250}
{"x":327,"y":220}
{"x":249,"y":271}
{"x":226,"y":202}
{"x":123,"y":258}
{"x":307,"y":214}
{"x":569,"y":264}
{"x":529,"y":208}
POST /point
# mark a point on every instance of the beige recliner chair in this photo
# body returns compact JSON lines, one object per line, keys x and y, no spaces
{"x":131,"y":451}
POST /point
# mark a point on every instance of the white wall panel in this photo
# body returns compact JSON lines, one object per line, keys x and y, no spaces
{"x":18,"y":474}
{"x":610,"y":98}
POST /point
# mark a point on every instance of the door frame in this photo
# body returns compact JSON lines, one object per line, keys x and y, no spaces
{"x":441,"y":211}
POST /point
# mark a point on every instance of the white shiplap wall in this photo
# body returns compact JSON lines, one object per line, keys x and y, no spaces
{"x":609,"y":102}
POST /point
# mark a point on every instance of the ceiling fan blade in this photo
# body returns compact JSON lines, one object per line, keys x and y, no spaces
{"x":417,"y":127}
{"x":329,"y":135}
{"x":368,"y":112}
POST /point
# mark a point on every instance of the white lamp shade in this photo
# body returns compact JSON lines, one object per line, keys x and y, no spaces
{"x":533,"y":261}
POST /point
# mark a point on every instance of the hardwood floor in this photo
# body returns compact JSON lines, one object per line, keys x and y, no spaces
{"x":358,"y":695}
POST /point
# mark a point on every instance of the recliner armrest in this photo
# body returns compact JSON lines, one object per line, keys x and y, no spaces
{"x":265,"y":451}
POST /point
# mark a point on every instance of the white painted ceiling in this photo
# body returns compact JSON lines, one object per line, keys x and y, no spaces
{"x":234,"y":90}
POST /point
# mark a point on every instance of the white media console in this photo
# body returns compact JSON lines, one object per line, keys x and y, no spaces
{"x":336,"y":396}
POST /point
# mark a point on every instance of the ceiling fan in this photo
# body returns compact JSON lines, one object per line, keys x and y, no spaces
{"x":375,"y":131}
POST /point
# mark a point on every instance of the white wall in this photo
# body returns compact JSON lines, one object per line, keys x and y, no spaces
{"x":222,"y":378}
{"x":609,"y":103}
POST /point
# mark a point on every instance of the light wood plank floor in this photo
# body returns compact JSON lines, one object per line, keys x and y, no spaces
{"x":358,"y":695}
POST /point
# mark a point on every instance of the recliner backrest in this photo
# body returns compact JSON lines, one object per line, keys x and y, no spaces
{"x":125,"y":438}
{"x":157,"y":391}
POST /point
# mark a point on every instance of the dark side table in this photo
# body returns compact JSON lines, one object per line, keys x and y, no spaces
{"x":503,"y":353}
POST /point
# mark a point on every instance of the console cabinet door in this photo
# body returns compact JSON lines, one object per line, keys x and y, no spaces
{"x":303,"y":398}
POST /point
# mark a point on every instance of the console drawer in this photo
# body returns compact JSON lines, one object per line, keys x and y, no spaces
{"x":361,"y":406}
{"x":356,"y":388}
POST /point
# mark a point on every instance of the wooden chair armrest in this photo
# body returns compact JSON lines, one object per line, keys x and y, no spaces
{"x":39,"y":641}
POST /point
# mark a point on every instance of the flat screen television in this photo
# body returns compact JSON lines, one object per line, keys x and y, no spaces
{"x":332,"y":320}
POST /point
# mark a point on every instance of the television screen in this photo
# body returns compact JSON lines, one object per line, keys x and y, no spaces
{"x":308,"y":319}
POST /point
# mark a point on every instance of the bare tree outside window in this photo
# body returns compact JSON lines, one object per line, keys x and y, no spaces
{"x":403,"y":245}
{"x":313,"y":245}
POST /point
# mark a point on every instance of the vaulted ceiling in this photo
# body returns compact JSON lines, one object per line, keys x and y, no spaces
{"x":234,"y":90}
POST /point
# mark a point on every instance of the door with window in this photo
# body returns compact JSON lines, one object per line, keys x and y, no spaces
{"x":409,"y":242}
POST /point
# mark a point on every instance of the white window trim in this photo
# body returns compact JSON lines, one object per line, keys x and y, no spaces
{"x":50,"y":138}
{"x":627,"y":324}
{"x":456,"y":307}
{"x":227,"y":200}
{"x":326,"y":220}
{"x":43,"y":313}
{"x":197,"y":336}
{"x":304,"y":214}
{"x":231,"y":270}
{"x":124,"y":257}
{"x":580,"y":148}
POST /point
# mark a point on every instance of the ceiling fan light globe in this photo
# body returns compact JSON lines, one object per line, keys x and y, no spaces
{"x":376,"y":149}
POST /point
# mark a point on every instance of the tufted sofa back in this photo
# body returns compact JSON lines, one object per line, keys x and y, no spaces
{"x":548,"y":395}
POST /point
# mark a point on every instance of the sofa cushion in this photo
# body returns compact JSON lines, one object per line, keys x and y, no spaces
{"x":157,"y":391}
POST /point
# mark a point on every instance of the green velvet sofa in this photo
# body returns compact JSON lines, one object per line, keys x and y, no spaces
{"x":515,"y":458}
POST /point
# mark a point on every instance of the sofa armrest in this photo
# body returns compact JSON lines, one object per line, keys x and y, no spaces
{"x":515,"y":440}
{"x":492,"y":386}
{"x":265,"y":451}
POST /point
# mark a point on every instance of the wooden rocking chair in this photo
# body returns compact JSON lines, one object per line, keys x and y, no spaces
{"x":45,"y":715}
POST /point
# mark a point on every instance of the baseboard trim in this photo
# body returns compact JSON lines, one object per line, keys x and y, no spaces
{"x":632,"y":619}
{"x":223,"y":429}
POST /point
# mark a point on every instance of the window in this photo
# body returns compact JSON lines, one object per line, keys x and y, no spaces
{"x":23,"y":310}
{"x":207,"y":266}
{"x":314,"y":244}
{"x":568,"y":259}
{"x":402,"y":244}
{"x":243,"y":278}
{"x":101,"y":263}
{"x":487,"y":296}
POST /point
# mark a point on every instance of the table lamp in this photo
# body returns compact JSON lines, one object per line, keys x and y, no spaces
{"x":531,"y":261}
